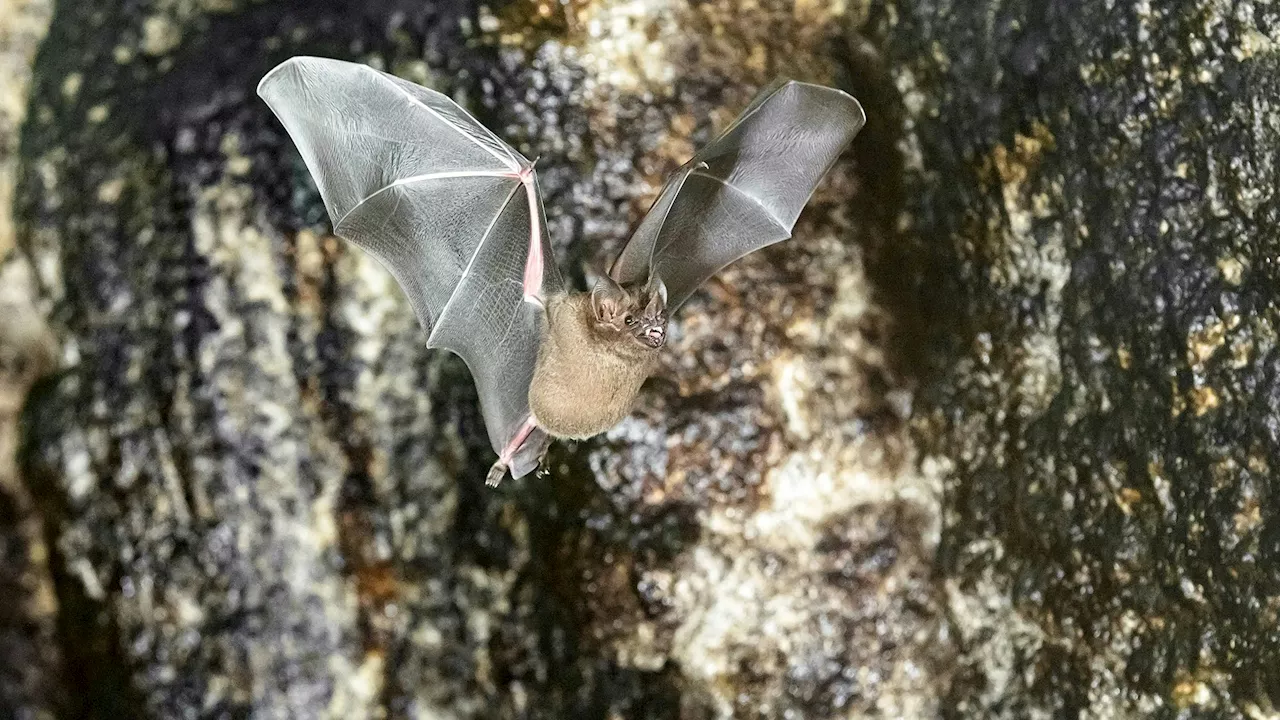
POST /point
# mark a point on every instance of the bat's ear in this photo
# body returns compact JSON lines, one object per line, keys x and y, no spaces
{"x":657,"y":291}
{"x":608,"y":299}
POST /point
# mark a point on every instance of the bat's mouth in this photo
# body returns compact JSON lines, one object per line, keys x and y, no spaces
{"x":654,"y":337}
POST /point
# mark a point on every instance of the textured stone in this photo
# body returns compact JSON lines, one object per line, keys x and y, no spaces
{"x":993,"y":435}
{"x":1094,"y":187}
{"x":30,"y":662}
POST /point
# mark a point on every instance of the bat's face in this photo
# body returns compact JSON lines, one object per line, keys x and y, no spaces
{"x":649,"y":325}
{"x":639,"y":314}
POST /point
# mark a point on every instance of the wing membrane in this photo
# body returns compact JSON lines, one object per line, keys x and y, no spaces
{"x":427,"y":234}
{"x":744,"y":191}
{"x":407,"y":175}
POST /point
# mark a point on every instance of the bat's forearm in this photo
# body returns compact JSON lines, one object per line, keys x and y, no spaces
{"x":535,"y":263}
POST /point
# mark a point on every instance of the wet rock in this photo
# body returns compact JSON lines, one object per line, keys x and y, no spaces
{"x":22,"y":26}
{"x":991,"y":436}
{"x":259,"y":481}
{"x":1098,"y":185}
{"x":30,"y":660}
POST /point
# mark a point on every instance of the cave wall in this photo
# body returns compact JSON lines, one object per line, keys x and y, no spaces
{"x":991,"y":436}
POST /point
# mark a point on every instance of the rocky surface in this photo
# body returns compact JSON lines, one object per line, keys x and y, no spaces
{"x":1097,"y":184}
{"x":30,"y":661}
{"x":991,"y":436}
{"x":22,"y":26}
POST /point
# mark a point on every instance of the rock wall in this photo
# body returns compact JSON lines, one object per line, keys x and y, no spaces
{"x":1098,"y":181}
{"x":991,"y":436}
{"x":30,"y":662}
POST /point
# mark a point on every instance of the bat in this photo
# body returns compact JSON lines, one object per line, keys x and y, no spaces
{"x":456,"y":216}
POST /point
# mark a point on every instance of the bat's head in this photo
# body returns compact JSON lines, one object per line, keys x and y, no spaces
{"x":637,"y":313}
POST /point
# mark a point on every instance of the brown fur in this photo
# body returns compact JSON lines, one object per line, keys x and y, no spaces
{"x":587,"y":377}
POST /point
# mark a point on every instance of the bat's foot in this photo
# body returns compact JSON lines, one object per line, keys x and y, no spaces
{"x":496,"y":473}
{"x":508,"y":454}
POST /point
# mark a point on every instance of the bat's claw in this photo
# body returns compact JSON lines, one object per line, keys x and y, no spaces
{"x":496,"y":473}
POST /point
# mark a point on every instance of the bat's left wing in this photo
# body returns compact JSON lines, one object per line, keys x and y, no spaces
{"x":452,"y":211}
{"x":742,"y":192}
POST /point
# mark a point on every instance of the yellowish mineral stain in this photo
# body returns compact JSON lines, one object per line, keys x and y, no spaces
{"x":109,"y":191}
{"x":1204,"y":341}
{"x":1241,"y":352}
{"x":1252,"y":43}
{"x":1126,"y":498}
{"x":1257,"y":462}
{"x":1124,"y":357}
{"x":1020,"y":253}
{"x":1189,"y":692}
{"x":1249,"y":517}
{"x":160,"y":34}
{"x":1232,"y":269}
{"x":1204,"y":399}
{"x":71,"y":85}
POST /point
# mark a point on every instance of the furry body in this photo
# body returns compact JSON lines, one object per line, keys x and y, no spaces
{"x":587,"y":378}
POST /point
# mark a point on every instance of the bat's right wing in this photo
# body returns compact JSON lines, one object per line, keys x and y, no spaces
{"x":452,"y":211}
{"x":743,"y":191}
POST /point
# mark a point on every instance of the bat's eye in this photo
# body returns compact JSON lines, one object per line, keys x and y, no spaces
{"x":629,"y":320}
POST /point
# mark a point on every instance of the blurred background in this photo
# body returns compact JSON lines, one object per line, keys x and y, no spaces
{"x":996,"y":434}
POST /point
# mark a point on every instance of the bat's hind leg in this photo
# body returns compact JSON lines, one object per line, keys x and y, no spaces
{"x":499,"y":469}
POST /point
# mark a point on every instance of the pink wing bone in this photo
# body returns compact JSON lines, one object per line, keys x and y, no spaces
{"x":535,"y":264}
{"x":406,"y":174}
{"x":533,"y":276}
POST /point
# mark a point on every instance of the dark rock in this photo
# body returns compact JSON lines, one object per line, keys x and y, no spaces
{"x":1098,"y":181}
{"x":30,"y":657}
{"x":260,"y":482}
{"x":993,"y":435}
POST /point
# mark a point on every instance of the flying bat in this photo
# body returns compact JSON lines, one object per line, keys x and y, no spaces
{"x":456,"y":215}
